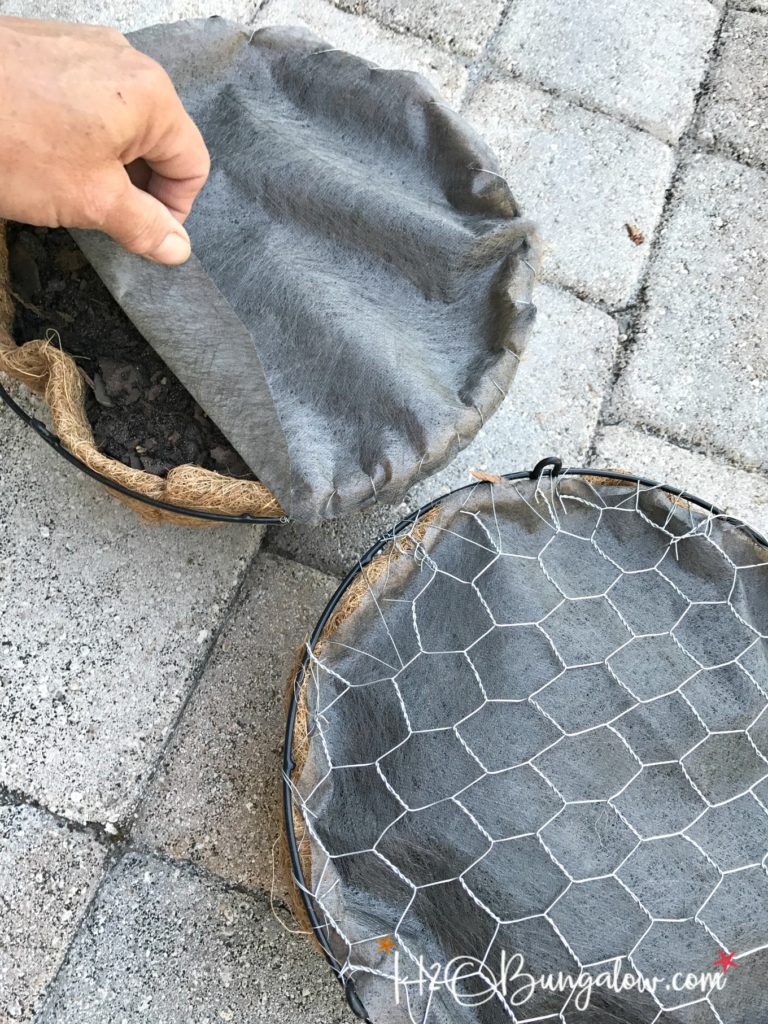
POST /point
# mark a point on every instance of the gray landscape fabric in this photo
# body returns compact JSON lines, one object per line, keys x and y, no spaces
{"x":359,"y":292}
{"x":543,"y":732}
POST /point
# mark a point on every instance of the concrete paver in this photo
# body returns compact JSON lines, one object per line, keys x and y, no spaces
{"x":582,"y":177}
{"x":104,"y":622}
{"x":699,"y":367}
{"x":735,"y":114}
{"x":226,"y":813}
{"x":739,"y":493}
{"x":131,"y":16}
{"x":463,"y":25}
{"x":48,"y":875}
{"x":648,"y":66}
{"x":164,"y":944}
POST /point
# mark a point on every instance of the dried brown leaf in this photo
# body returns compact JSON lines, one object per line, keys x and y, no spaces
{"x":635,"y":234}
{"x":487,"y":478}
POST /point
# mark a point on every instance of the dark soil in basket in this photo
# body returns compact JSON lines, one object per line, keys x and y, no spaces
{"x":140,"y":413}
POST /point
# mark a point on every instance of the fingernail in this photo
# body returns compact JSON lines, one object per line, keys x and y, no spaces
{"x":172,"y":250}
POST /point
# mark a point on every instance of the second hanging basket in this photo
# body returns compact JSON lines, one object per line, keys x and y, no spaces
{"x":531,"y":729}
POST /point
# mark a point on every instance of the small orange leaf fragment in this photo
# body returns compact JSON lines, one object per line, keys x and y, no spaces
{"x":488,"y":478}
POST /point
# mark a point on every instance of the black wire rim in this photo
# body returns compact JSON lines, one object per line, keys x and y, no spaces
{"x":51,"y":439}
{"x":555,"y":467}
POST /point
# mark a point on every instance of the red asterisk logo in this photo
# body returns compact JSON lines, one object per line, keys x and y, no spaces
{"x":725,"y":960}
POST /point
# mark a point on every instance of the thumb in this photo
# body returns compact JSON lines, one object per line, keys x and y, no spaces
{"x":142,"y":224}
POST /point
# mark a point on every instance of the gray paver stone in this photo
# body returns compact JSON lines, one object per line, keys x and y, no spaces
{"x":582,"y":177}
{"x":741,"y":494}
{"x":699,"y":368}
{"x":105,"y":620}
{"x":225,"y":812}
{"x":48,"y":875}
{"x":463,"y":25}
{"x":643,"y":62}
{"x":735,"y":115}
{"x":166,"y":945}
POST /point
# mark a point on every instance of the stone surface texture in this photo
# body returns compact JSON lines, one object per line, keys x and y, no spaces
{"x":48,"y":876}
{"x":739,"y":493}
{"x":647,"y":68}
{"x":142,"y":670}
{"x":163,"y":943}
{"x":105,"y":624}
{"x":698,"y":368}
{"x":130,"y":16}
{"x":735,"y":115}
{"x":584,"y":177}
{"x":226,"y":814}
{"x":461,"y":25}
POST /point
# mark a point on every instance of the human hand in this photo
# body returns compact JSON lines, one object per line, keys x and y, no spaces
{"x":93,"y":135}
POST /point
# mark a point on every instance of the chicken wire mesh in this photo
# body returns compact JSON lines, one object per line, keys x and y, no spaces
{"x":536,"y":727}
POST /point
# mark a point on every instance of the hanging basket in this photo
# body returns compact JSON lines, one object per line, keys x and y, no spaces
{"x":359,"y":294}
{"x":533,"y":720}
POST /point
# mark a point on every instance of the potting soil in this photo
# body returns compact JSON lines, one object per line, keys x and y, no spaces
{"x":140,"y":413}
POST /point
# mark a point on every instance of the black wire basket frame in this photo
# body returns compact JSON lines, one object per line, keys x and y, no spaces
{"x":51,"y":439}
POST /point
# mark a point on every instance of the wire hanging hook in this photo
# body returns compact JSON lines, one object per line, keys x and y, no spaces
{"x":551,"y":460}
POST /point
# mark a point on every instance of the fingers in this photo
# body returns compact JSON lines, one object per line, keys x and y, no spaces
{"x":139,"y":174}
{"x":93,"y":106}
{"x":177,"y":156}
{"x":142,"y":224}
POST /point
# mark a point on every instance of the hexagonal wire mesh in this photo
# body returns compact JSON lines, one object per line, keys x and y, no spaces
{"x":533,"y":722}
